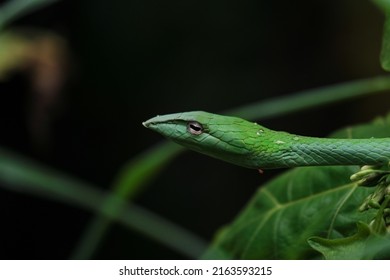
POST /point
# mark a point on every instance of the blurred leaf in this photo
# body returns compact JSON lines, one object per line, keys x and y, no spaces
{"x":14,"y":9}
{"x":312,"y":98}
{"x":141,"y":169}
{"x":383,"y":4}
{"x":23,"y":175}
{"x":348,"y":248}
{"x":301,"y":203}
{"x":385,"y":51}
{"x":12,"y":52}
{"x":129,"y":181}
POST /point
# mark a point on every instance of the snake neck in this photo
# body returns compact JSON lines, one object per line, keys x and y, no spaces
{"x":293,"y":151}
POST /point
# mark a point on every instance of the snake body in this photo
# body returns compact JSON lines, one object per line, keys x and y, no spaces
{"x":251,"y":145}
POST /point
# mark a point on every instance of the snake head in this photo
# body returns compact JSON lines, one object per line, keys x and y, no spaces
{"x":222,"y":137}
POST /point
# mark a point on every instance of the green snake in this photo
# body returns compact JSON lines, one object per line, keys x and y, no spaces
{"x":251,"y":145}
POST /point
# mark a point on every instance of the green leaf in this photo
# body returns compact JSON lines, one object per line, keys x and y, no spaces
{"x":364,"y":244}
{"x":286,"y":211}
{"x":304,"y":202}
{"x":348,"y":248}
{"x":383,"y":4}
{"x":385,"y":50}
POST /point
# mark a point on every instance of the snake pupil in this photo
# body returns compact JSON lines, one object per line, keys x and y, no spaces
{"x":194,"y":128}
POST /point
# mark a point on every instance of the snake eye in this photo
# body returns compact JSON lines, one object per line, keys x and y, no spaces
{"x":194,"y":128}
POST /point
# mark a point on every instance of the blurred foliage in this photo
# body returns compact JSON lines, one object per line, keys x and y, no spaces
{"x":23,"y":175}
{"x":14,"y":9}
{"x":385,"y":52}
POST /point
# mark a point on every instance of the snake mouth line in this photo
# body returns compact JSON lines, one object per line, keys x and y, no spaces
{"x":151,"y":122}
{"x":154,"y":121}
{"x":146,"y":124}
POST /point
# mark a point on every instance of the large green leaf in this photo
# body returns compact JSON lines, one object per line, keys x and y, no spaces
{"x":347,"y":248}
{"x":303,"y":202}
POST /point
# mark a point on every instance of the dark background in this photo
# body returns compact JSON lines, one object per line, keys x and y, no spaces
{"x":130,"y":60}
